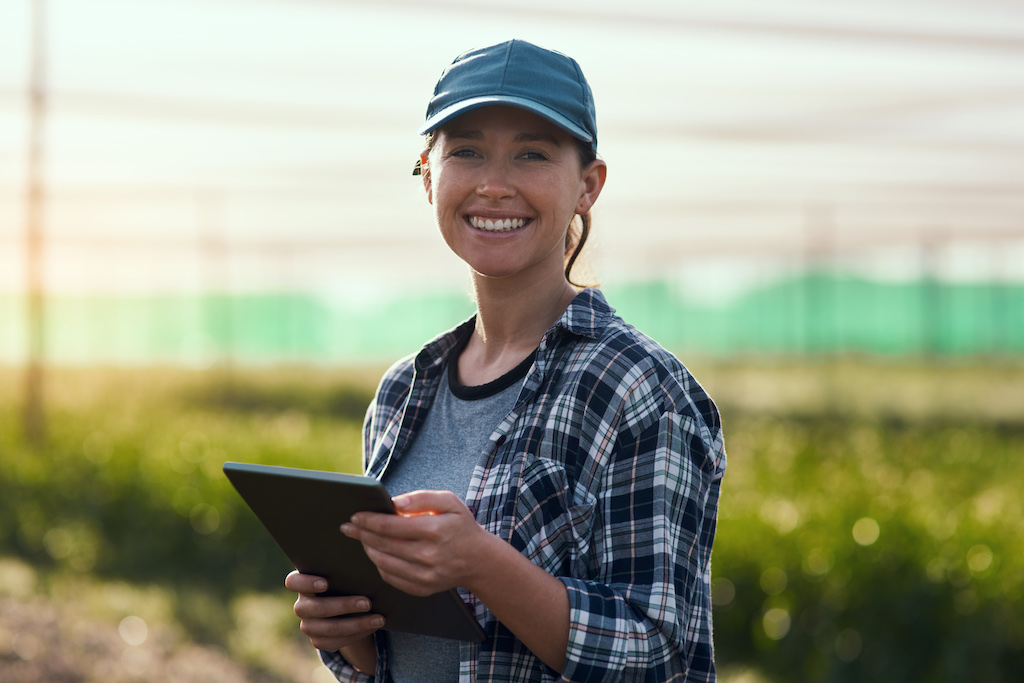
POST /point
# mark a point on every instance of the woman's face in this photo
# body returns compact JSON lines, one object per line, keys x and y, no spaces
{"x":505,"y":185}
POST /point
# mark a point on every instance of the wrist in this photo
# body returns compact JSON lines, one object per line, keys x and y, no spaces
{"x":490,"y":557}
{"x":361,"y":655}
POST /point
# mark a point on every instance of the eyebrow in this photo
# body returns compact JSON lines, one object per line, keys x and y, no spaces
{"x":537,"y":137}
{"x":521,"y":137}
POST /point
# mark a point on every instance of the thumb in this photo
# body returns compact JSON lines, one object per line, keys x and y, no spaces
{"x":427,"y":503}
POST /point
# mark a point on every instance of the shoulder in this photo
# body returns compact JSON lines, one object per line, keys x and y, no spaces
{"x":395,"y":382}
{"x":623,"y":368}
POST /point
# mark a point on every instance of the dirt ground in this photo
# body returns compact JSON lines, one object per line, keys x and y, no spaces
{"x":43,"y":642}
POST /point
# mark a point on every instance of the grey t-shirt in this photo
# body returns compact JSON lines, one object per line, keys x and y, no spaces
{"x":442,"y":457}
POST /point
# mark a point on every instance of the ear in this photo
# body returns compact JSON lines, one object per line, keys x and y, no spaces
{"x":593,"y":179}
{"x":425,"y":174}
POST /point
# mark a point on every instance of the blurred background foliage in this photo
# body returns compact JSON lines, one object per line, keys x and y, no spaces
{"x":861,"y":538}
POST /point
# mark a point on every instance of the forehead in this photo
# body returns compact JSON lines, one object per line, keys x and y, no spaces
{"x":499,"y":120}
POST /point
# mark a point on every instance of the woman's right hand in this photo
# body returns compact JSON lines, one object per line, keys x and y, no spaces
{"x":336,"y":623}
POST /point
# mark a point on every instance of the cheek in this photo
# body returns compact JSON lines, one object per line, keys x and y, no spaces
{"x":447,"y":189}
{"x":446,"y":212}
{"x":445,"y":203}
{"x":563,"y":197}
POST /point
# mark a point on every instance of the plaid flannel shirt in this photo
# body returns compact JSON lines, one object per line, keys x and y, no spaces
{"x":606,"y":473}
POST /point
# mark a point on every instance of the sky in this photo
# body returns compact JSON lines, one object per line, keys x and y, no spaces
{"x":265,"y":144}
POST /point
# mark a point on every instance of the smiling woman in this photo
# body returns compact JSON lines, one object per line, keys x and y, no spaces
{"x":576,"y":237}
{"x":570,"y":467}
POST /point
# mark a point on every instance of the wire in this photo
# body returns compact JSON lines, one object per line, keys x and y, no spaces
{"x":678,"y":22}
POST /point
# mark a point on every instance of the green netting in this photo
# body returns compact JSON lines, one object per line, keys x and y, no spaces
{"x":819,"y":313}
{"x":823,"y":313}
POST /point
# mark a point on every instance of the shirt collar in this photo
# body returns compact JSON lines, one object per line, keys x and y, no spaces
{"x":587,"y":315}
{"x":433,"y":355}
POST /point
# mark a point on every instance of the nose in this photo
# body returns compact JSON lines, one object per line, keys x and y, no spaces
{"x":495,"y":181}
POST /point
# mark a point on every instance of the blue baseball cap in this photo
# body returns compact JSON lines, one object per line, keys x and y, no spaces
{"x":518,"y":74}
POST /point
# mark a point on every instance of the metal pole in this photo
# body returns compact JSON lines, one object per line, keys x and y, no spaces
{"x":35,"y":427}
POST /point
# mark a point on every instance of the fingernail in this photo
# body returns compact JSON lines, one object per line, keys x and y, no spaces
{"x":401,"y":502}
{"x":377,"y":622}
{"x":363,"y":605}
{"x":346,"y":529}
{"x":320,"y":585}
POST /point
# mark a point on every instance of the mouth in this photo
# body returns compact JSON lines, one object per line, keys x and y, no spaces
{"x":497,"y":224}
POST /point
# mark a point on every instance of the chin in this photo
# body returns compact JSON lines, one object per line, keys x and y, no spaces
{"x":492,"y":273}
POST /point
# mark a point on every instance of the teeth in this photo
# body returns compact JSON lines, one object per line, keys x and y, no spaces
{"x":496,"y":225}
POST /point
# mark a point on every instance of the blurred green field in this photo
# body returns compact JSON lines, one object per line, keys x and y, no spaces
{"x":869,"y":521}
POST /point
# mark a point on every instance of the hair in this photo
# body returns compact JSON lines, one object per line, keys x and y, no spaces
{"x":575,"y":238}
{"x":574,"y":242}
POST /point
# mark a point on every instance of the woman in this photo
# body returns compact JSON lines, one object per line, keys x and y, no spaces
{"x":564,"y":468}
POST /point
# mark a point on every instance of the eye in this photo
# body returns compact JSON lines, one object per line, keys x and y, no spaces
{"x":534,"y":155}
{"x":463,"y":153}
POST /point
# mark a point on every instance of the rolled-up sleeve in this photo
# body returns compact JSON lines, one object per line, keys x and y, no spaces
{"x":646,"y":616}
{"x":342,"y":670}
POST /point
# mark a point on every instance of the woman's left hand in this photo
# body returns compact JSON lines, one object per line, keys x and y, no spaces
{"x":428,"y":547}
{"x":434,"y":543}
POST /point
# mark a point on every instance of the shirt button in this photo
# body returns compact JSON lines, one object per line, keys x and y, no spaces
{"x":501,"y":440}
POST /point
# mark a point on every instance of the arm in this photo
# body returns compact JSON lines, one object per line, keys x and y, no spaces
{"x":646,"y":613}
{"x":531,"y":603}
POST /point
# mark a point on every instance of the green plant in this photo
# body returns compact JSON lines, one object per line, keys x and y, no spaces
{"x":852,"y":550}
{"x":851,"y":546}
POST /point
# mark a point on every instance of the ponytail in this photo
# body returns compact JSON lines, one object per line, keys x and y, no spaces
{"x":574,"y":242}
{"x":572,"y":251}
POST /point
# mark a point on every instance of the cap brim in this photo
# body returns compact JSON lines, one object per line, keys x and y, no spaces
{"x":460,"y":108}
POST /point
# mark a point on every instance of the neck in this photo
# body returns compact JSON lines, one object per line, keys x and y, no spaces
{"x":518,"y":315}
{"x":511,"y":320}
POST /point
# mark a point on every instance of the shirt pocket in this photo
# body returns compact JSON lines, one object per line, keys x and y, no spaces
{"x":552,"y":525}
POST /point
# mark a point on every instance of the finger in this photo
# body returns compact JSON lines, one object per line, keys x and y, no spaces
{"x":428,"y":502}
{"x":424,"y":546}
{"x":413,"y":587}
{"x":313,"y":607}
{"x":334,"y":634}
{"x":305,"y":583}
{"x":406,"y":561}
{"x":365,"y":525}
{"x":411,"y":579}
{"x":417,"y":576}
{"x":391,"y":555}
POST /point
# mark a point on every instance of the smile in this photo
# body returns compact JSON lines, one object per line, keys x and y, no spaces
{"x":497,"y":225}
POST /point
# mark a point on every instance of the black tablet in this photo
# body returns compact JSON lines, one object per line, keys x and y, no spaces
{"x":304,"y":509}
